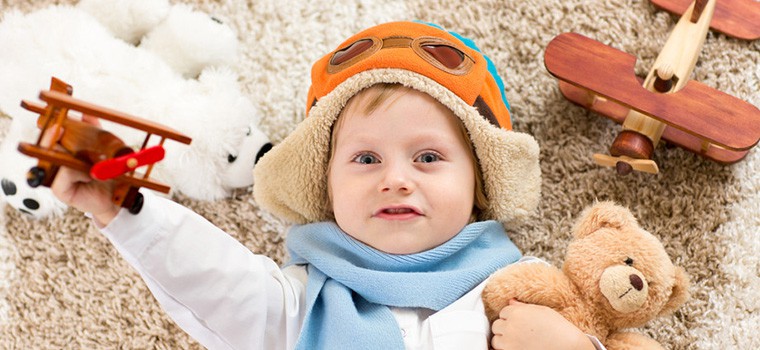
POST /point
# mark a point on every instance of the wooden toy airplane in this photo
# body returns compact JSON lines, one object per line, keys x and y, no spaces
{"x":666,"y":104}
{"x":88,"y":148}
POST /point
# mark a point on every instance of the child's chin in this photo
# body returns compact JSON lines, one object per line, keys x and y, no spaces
{"x":407,"y":245}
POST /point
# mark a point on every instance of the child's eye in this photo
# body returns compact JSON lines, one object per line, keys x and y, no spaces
{"x":428,"y":157}
{"x":366,"y":158}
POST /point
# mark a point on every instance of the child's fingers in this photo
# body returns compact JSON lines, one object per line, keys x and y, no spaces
{"x":72,"y":175}
{"x":499,"y":326}
{"x":501,"y":338}
{"x":66,"y":181}
{"x":498,"y":342}
{"x":504,"y":313}
{"x":51,"y":136}
{"x":91,"y":120}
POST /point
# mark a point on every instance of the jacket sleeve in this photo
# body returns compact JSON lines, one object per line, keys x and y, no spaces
{"x":213,"y":287}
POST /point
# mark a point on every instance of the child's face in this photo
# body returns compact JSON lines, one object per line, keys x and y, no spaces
{"x":401,"y":179}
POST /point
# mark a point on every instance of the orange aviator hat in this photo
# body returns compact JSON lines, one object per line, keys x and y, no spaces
{"x":421,"y":48}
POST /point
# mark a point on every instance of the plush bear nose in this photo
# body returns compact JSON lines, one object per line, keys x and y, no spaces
{"x":31,"y":204}
{"x":9,"y":188}
{"x":264,"y":149}
{"x":636,"y":282}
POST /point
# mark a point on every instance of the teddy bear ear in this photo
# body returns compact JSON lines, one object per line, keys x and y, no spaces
{"x":603,"y":214}
{"x":679,"y":294}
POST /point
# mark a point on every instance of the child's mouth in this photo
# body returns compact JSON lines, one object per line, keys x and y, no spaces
{"x":398,"y":213}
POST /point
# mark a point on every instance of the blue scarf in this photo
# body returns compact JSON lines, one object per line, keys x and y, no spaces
{"x":351,"y":285}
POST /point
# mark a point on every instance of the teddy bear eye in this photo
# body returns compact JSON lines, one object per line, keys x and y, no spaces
{"x":231,"y":158}
{"x":628,"y":261}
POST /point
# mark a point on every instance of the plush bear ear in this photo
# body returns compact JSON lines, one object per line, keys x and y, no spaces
{"x":603,"y":214}
{"x":680,"y":292}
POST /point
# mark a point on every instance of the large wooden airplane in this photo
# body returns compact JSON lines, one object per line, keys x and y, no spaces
{"x":666,"y":104}
{"x":66,"y":141}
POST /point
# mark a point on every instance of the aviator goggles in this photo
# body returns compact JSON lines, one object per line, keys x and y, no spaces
{"x":438,"y":52}
{"x":450,"y":60}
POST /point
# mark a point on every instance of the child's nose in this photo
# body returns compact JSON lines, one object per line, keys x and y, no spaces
{"x":396,"y":177}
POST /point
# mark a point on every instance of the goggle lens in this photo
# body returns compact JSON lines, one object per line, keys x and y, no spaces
{"x":350,"y":52}
{"x":448,"y":56}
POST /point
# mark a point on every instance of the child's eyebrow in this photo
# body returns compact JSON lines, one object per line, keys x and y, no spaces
{"x":354,"y":138}
{"x":438,"y":142}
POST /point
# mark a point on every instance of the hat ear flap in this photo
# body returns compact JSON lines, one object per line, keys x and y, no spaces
{"x":511,"y":172}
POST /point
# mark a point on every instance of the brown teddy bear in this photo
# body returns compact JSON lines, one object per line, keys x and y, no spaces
{"x":615,"y":276}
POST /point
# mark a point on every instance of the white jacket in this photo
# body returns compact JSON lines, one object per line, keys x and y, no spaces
{"x":226,"y":297}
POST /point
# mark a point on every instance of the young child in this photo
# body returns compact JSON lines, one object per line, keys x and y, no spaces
{"x":399,"y":181}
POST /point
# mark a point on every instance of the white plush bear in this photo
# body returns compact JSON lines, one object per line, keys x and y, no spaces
{"x":155,"y":80}
{"x":36,"y":202}
{"x":187,"y":40}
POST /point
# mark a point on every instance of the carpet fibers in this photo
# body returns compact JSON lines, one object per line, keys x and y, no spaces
{"x":63,"y":286}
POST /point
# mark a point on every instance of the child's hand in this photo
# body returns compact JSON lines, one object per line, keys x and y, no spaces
{"x":80,"y":191}
{"x":529,"y":326}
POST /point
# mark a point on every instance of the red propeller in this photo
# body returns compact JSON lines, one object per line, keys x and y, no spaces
{"x":115,"y":167}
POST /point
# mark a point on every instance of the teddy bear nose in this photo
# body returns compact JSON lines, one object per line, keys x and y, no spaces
{"x":9,"y":188}
{"x":636,"y":282}
{"x":31,"y":204}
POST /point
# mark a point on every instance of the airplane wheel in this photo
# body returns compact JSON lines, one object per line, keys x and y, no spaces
{"x":137,"y":204}
{"x":35,"y":176}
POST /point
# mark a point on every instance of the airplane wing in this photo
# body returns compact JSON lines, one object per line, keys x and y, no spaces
{"x":736,"y":18}
{"x":54,"y":157}
{"x":66,"y":101}
{"x":65,"y":159}
{"x":602,"y":79}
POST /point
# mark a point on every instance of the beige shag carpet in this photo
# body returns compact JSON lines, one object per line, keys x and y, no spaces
{"x":63,"y":286}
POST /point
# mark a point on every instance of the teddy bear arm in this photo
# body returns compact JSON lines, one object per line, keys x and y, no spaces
{"x":534,"y":283}
{"x":631,"y":341}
